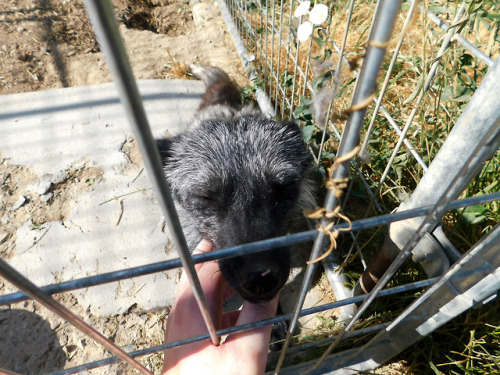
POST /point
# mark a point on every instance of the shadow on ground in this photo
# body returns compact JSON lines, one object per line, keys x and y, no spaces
{"x":28,"y":351}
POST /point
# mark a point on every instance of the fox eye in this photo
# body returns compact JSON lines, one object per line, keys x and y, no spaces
{"x":286,"y":191}
{"x":207,"y":198}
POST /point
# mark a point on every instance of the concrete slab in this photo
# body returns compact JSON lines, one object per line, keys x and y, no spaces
{"x":59,"y":132}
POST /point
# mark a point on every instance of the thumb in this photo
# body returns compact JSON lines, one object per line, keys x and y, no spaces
{"x":251,"y":312}
{"x":255,"y":340}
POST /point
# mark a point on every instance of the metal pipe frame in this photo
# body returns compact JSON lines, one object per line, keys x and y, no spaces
{"x":469,"y":271}
{"x":252,"y":248}
{"x":446,"y":299}
{"x":46,"y":300}
{"x":279,"y":88}
{"x":487,"y":140}
{"x":450,"y":37}
{"x":459,"y":38}
{"x":106,"y":28}
{"x":350,"y":139}
{"x":481,"y":114}
{"x":418,"y":285}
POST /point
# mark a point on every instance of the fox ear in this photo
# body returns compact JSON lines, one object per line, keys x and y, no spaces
{"x":292,"y":125}
{"x":164,"y":146}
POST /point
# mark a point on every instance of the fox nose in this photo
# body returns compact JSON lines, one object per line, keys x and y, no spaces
{"x":261,"y":285}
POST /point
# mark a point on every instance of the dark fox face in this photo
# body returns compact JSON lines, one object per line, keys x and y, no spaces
{"x":241,"y":181}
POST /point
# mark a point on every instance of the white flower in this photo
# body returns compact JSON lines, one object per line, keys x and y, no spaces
{"x":318,"y":14}
{"x":302,"y":9}
{"x":304,"y":31}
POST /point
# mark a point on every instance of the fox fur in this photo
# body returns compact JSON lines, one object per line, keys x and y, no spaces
{"x":239,"y":177}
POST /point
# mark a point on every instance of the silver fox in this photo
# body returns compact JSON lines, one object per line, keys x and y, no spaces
{"x":238,"y":177}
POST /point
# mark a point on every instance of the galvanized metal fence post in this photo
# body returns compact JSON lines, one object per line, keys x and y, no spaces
{"x":440,"y":197}
{"x":350,"y":140}
{"x":434,"y":252}
{"x":106,"y":27}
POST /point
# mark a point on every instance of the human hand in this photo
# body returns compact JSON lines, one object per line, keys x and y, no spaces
{"x":242,"y":352}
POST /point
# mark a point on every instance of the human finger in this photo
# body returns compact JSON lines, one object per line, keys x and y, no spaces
{"x":229,"y":319}
{"x":250,"y":312}
{"x":203,"y":247}
{"x":252,"y":346}
{"x":185,"y":320}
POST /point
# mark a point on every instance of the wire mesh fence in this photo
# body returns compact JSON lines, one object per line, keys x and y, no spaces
{"x":406,"y":167}
{"x":315,"y":79}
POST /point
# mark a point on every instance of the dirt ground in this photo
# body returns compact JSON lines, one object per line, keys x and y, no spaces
{"x":47,"y":44}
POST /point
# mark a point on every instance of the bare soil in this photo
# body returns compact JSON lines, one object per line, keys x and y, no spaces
{"x":46,"y":44}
